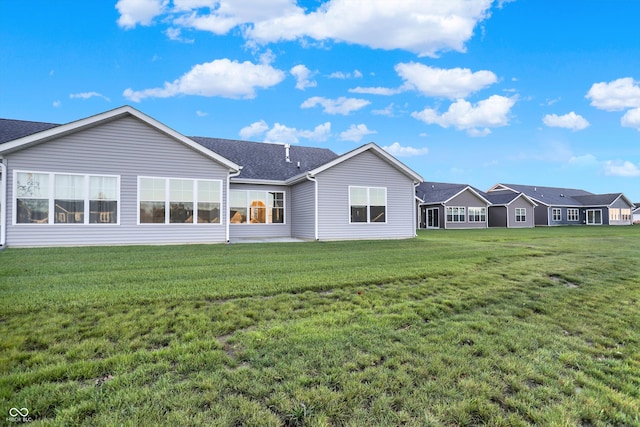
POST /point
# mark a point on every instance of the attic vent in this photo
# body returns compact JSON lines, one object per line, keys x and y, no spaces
{"x":561,"y":195}
{"x":286,"y":153}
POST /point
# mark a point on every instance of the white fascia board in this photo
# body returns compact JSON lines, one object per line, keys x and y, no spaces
{"x":378,"y":151}
{"x":58,"y":131}
{"x":258,"y":181}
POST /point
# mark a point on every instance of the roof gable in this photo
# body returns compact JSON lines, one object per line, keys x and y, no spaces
{"x":550,"y":196}
{"x":375,"y":149}
{"x":49,"y":133}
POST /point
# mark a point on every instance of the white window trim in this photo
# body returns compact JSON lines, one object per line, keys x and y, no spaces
{"x":483,"y":212}
{"x":368,"y":221}
{"x":248,"y":207}
{"x":453,"y":221}
{"x":594,"y":223}
{"x":52,"y":196}
{"x":553,"y":214}
{"x":167,"y":201}
{"x":521,"y":215}
{"x":571,"y":211}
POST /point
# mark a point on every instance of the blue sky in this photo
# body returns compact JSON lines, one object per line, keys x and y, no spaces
{"x":535,"y":92}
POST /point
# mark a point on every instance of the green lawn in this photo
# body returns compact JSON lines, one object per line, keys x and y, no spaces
{"x":487,"y":327}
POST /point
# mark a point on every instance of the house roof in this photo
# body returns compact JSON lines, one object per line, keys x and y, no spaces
{"x":441,"y":192}
{"x":505,"y":197}
{"x":263,"y":161}
{"x":49,"y":131}
{"x":545,"y":195}
{"x":14,"y":129}
{"x":600,"y":199}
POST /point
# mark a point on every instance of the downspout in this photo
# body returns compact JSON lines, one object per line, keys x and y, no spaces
{"x":315,"y":204}
{"x":232,"y":174}
{"x":444,"y":216}
{"x":507,"y":208}
{"x":3,"y":204}
{"x":416,"y":217}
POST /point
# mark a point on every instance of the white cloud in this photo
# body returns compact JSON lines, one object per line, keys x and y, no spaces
{"x":584,"y":160}
{"x":631,"y":119}
{"x":303,"y":77}
{"x":87,"y":95}
{"x":450,"y":83}
{"x":255,"y":128}
{"x":387,"y":111}
{"x":378,"y":90}
{"x":621,"y":168}
{"x":341,"y":105}
{"x":175,"y":34}
{"x":421,"y":27}
{"x":355,"y":133}
{"x":571,"y":121}
{"x":343,"y":76}
{"x":476,"y":119}
{"x":201,"y":113}
{"x":285,"y":135}
{"x":222,"y":77}
{"x":57,"y":103}
{"x":398,"y":150}
{"x":134,"y":12}
{"x":616,"y":95}
{"x":425,"y":28}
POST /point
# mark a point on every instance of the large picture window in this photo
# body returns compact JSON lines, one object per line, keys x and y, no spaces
{"x":179,"y":201}
{"x":56,"y":198}
{"x":256,"y":207}
{"x":455,"y":214}
{"x":477,"y":214}
{"x":368,"y":204}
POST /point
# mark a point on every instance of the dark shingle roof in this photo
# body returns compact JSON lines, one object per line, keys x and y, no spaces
{"x":551,"y":195}
{"x":503,"y":197}
{"x":440,"y":192}
{"x":14,"y":129}
{"x":598,"y":199}
{"x":267,"y":161}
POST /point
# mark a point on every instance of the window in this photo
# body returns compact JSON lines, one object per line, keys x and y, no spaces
{"x":614,"y":214}
{"x":594,"y":217}
{"x":32,"y":198}
{"x":263,"y":207}
{"x":573,"y":215}
{"x":179,"y":201}
{"x":521,"y":215}
{"x":477,"y":214}
{"x":455,"y":214}
{"x":55,"y":198}
{"x":556,"y":214}
{"x":625,"y":214}
{"x":367,"y":204}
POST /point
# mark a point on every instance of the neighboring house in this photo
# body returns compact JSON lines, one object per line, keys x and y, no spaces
{"x":121,"y":177}
{"x":566,"y":206}
{"x":636,"y":214}
{"x":510,"y":210}
{"x":443,"y":205}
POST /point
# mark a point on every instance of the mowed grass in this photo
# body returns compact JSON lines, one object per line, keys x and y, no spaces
{"x":486,"y":327}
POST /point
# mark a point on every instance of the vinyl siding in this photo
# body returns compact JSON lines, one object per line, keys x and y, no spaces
{"x":530,"y":218}
{"x":129,"y":148}
{"x":467,"y":200}
{"x":263,"y":230}
{"x":303,"y":210}
{"x":368,"y":170}
{"x":620,"y":204}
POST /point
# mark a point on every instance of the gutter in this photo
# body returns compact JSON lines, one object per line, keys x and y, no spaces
{"x":3,"y":204}
{"x":315,"y":204}
{"x":232,"y":174}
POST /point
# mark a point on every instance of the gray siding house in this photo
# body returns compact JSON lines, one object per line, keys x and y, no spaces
{"x":566,"y":206}
{"x":510,"y":210}
{"x":451,"y":206}
{"x":121,"y":177}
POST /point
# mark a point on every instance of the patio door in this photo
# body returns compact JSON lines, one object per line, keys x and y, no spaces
{"x":433,"y":218}
{"x":594,"y":217}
